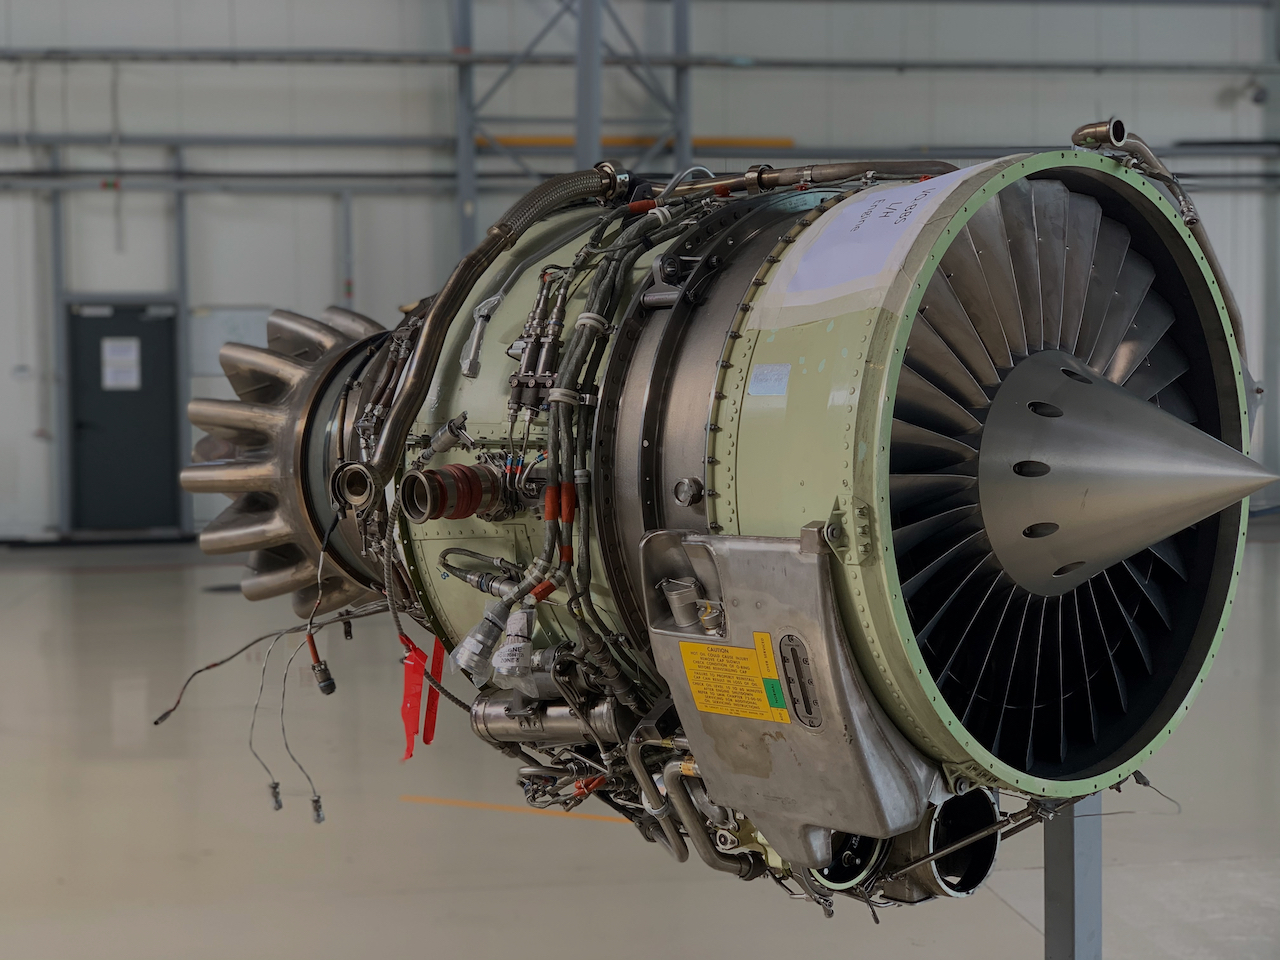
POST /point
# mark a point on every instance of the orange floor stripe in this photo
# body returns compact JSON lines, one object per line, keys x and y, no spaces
{"x":505,"y":808}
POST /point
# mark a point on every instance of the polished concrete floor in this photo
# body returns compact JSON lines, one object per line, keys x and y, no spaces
{"x":120,"y":839}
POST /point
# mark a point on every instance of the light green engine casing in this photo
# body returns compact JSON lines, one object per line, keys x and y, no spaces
{"x":795,"y":422}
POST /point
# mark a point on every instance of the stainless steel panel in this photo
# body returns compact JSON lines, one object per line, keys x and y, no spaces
{"x":853,"y":771}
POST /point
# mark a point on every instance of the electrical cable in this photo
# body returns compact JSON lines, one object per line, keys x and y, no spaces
{"x":274,"y":785}
{"x":368,"y":610}
{"x":317,"y":811}
{"x":681,"y":177}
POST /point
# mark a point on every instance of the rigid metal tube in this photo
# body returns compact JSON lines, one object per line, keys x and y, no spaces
{"x":1112,"y":135}
{"x":767,"y":179}
{"x":675,"y":841}
{"x":421,"y":368}
{"x":673,"y":775}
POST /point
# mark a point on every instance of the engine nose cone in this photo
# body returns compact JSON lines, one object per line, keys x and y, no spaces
{"x":1076,"y":473}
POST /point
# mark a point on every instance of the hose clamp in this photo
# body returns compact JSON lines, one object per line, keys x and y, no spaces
{"x":619,"y":179}
{"x":592,"y":320}
{"x":752,"y":177}
{"x":661,"y":813}
{"x":662,"y":213}
{"x":563,"y":395}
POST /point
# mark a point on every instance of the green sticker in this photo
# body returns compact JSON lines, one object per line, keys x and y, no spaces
{"x":773,"y":690}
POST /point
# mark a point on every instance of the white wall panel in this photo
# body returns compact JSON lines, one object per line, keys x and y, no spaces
{"x":282,"y":251}
{"x":262,"y":250}
{"x":110,"y":252}
{"x":26,"y":449}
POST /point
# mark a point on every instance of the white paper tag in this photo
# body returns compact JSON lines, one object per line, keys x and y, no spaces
{"x":512,"y":659}
{"x":769,"y":380}
{"x":853,"y":252}
{"x":121,"y":363}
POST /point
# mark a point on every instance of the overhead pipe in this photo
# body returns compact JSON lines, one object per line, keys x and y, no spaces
{"x":763,"y":178}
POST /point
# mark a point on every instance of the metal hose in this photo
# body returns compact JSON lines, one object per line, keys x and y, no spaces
{"x":1112,"y":135}
{"x":673,"y":774}
{"x":764,"y":179}
{"x":439,"y":316}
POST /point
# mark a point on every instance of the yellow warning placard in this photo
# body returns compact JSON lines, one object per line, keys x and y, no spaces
{"x":735,"y":681}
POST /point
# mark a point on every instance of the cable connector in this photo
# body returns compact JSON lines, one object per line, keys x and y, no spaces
{"x":274,"y":789}
{"x":317,"y":811}
{"x":324,"y":679}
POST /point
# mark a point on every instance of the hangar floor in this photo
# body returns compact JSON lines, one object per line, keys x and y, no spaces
{"x":121,"y":839}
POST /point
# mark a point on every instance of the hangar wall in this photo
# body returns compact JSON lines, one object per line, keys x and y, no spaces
{"x":248,"y":253}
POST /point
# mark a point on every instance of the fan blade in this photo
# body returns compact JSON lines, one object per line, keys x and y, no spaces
{"x":917,"y":450}
{"x":1135,"y":632}
{"x":924,"y":576}
{"x":1152,"y":322}
{"x":1083,"y":220}
{"x":963,"y":270}
{"x":1151,"y":591}
{"x":986,"y":659}
{"x":1093,"y":613}
{"x":968,"y":629}
{"x":1036,"y":630}
{"x":1131,"y":289}
{"x":913,"y":534}
{"x":1018,"y":633}
{"x":1159,"y":368}
{"x":986,"y":229}
{"x":1051,"y":199}
{"x":928,"y":355}
{"x":907,"y":490}
{"x":918,"y":401}
{"x":922,"y":636}
{"x":947,"y":317}
{"x":1018,"y":210}
{"x":1167,"y":551}
{"x":1175,"y":400}
{"x":1073,"y":627}
{"x":1108,"y":257}
{"x":1057,"y":637}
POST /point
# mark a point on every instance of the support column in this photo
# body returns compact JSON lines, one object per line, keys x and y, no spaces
{"x":182,"y":337}
{"x":1073,"y":882}
{"x":683,"y":115}
{"x":465,"y":148}
{"x":62,"y":429}
{"x":1268,"y":370}
{"x":587,"y":149}
{"x":346,"y":251}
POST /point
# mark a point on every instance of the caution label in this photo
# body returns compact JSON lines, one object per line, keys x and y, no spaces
{"x":735,"y":681}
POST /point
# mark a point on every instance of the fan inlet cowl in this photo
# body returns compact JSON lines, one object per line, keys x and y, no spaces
{"x":1048,"y":477}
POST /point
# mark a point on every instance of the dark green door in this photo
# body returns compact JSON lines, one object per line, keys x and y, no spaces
{"x":123,"y":410}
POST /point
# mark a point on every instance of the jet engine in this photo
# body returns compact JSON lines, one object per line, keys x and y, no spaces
{"x":801,"y":516}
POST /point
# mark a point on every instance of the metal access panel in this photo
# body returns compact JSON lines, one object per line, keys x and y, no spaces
{"x":124,"y":445}
{"x":774,"y":707}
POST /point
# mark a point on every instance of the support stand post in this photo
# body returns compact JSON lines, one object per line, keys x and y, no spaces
{"x":1073,"y":882}
{"x":465,"y":144}
{"x":683,"y":118}
{"x":586,"y":142}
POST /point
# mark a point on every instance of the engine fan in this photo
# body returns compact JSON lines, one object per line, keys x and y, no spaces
{"x":790,"y":513}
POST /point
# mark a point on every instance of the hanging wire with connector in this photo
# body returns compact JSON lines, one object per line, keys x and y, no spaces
{"x":367,"y":610}
{"x":318,"y":667}
{"x":273,"y":786}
